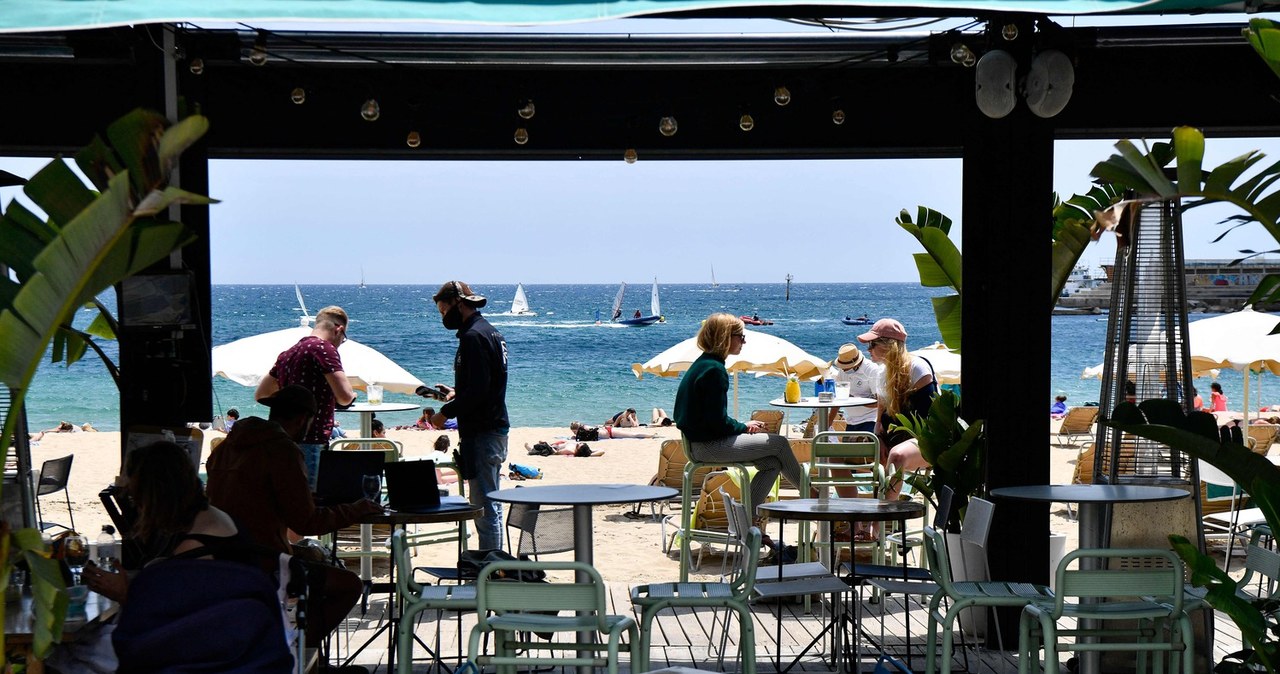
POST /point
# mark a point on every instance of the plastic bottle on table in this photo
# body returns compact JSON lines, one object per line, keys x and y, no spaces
{"x":107,"y":547}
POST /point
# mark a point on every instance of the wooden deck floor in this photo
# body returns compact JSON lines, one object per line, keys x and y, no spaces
{"x":684,"y":638}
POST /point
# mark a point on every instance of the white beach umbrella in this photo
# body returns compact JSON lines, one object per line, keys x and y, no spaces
{"x":1240,"y":341}
{"x":246,"y":361}
{"x":762,"y":354}
{"x":946,"y":363}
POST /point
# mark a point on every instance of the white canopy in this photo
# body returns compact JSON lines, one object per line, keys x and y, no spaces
{"x":246,"y":361}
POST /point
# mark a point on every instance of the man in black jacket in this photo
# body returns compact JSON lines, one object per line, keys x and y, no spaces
{"x":478,"y":400}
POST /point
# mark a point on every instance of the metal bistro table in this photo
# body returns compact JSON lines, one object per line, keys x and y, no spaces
{"x":817,"y":405}
{"x":851,"y":510}
{"x":582,"y":497}
{"x":366,"y":414}
{"x":452,"y":510}
{"x":1093,"y":499}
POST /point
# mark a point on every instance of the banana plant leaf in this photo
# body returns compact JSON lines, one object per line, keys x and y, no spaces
{"x":1264,"y":37}
{"x":90,"y":241}
{"x":940,"y":266}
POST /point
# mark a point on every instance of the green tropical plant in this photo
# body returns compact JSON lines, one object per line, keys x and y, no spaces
{"x":1073,"y":229}
{"x":939,"y":267}
{"x":1264,"y":36}
{"x":89,"y":241}
{"x":1196,"y":435}
{"x":957,"y":452}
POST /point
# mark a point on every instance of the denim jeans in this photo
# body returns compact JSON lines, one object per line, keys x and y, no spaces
{"x":311,"y":460}
{"x":489,"y":450}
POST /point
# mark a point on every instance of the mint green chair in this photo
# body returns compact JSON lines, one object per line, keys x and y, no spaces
{"x":734,"y":595}
{"x":506,"y":608}
{"x":965,"y":594}
{"x":849,"y":459}
{"x":416,"y":598}
{"x":1149,"y":592}
{"x":687,"y":499}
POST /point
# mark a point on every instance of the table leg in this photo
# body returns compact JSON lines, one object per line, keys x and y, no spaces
{"x":1091,"y":516}
{"x":583,"y":540}
{"x":366,"y":424}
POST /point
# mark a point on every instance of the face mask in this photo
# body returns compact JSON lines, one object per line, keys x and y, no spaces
{"x":452,"y":318}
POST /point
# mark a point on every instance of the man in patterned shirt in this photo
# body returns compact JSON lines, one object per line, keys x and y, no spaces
{"x":314,"y":363}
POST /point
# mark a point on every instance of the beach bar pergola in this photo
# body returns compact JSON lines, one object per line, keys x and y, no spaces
{"x":598,"y":96}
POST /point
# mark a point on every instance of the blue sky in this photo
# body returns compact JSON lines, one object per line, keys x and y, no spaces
{"x":603,"y":222}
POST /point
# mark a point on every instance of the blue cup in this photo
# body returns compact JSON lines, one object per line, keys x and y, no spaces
{"x":831,"y":386}
{"x":818,"y":387}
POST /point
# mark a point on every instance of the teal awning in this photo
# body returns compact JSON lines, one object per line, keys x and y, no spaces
{"x":41,"y":15}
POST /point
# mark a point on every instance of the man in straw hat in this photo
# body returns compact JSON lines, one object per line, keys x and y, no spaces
{"x":863,"y":377}
{"x":478,"y":400}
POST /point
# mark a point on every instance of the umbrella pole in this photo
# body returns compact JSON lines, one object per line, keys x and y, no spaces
{"x":735,"y":395}
{"x":1246,"y":398}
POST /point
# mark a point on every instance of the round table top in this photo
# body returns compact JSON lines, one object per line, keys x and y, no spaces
{"x":381,"y":407}
{"x":812,"y":402}
{"x":1089,"y":493}
{"x":434,"y":517}
{"x":583,"y":494}
{"x":843,"y":509}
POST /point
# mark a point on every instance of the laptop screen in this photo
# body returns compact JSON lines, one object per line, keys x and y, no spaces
{"x":340,"y":473}
{"x":411,"y":486}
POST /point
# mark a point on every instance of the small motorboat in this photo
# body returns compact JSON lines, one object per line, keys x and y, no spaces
{"x":755,"y":320}
{"x":861,"y":320}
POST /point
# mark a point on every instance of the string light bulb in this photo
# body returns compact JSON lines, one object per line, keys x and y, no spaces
{"x":1009,"y":32}
{"x":746,"y":122}
{"x":522,"y":136}
{"x":414,"y":139}
{"x":837,"y":116}
{"x":961,"y":54}
{"x":371,"y":111}
{"x":526,"y":109}
{"x":781,"y":95}
{"x":196,"y":66}
{"x":667,"y":126}
{"x":630,"y":156}
{"x":298,"y":95}
{"x":258,"y":55}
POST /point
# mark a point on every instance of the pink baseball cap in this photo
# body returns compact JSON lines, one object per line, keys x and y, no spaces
{"x":886,"y":328}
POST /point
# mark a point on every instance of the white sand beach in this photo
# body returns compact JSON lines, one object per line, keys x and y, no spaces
{"x":627,"y":550}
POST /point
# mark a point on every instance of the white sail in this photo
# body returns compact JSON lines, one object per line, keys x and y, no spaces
{"x":713,"y":277}
{"x":617,"y":303}
{"x":520,"y":305}
{"x":654,"y":308}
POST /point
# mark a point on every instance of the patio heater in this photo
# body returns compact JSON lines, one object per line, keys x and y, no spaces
{"x":1147,"y":356}
{"x":1147,"y":347}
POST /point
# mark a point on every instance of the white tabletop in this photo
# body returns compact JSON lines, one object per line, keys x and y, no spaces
{"x":382,"y":407}
{"x":813,"y":402}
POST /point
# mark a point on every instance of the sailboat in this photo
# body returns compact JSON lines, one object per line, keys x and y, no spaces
{"x":713,"y":277}
{"x":361,"y":286}
{"x":655,"y":309}
{"x":519,"y":305}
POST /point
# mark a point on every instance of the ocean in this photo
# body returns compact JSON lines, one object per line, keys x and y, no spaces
{"x":564,"y":367}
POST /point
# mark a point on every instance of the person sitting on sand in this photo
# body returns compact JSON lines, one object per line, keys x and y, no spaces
{"x":585,"y":433}
{"x":624,"y":419}
{"x":424,"y":422}
{"x":563,"y":448}
{"x":1059,"y":407}
{"x":444,"y":476}
{"x":1218,"y":398}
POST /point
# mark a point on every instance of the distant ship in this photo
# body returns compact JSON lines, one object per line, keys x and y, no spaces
{"x":1212,"y":285}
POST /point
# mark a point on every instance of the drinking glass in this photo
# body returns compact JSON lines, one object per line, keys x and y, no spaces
{"x":375,"y":394}
{"x":75,"y":550}
{"x":372,"y":486}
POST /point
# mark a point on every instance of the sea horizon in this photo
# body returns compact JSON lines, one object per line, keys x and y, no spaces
{"x":563,"y":366}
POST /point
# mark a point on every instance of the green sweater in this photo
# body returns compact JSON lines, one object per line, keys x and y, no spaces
{"x":702,"y":402}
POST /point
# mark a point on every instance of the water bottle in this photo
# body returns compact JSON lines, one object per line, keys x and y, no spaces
{"x":819,"y":386}
{"x":107,"y":547}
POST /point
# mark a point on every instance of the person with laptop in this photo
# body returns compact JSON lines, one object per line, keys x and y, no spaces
{"x":478,"y":400}
{"x":257,"y":476}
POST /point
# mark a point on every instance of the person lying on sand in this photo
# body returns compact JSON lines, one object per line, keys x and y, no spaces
{"x":562,"y":448}
{"x":585,"y":433}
